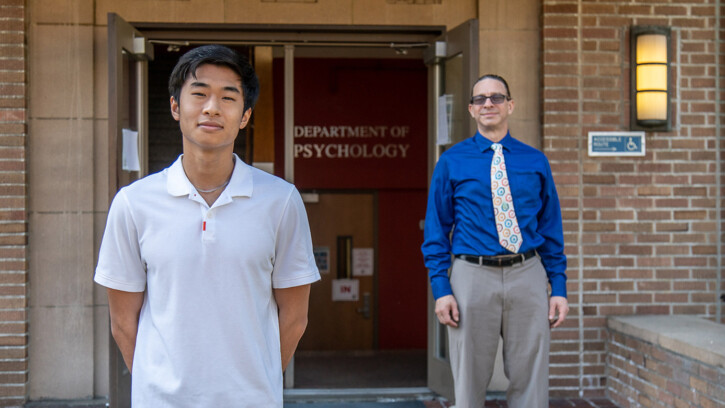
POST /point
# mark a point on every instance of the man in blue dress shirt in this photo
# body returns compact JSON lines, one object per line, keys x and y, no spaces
{"x":498,"y":283}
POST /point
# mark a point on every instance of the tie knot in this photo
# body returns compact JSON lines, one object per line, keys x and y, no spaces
{"x":496,"y":147}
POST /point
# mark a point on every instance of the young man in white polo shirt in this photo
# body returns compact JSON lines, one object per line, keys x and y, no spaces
{"x":208,"y":263}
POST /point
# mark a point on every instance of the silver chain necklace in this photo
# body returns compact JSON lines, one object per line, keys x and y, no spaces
{"x":211,"y":190}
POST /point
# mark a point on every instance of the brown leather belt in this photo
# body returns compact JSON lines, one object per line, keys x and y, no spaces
{"x":499,"y":260}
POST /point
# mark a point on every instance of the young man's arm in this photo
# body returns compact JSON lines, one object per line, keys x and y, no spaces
{"x":292,"y":304}
{"x":125,"y":308}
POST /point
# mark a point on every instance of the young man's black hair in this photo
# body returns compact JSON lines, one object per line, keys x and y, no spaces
{"x":215,"y":55}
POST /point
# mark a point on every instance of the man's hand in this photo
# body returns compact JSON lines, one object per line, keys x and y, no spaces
{"x":447,"y":310}
{"x":558,"y":305}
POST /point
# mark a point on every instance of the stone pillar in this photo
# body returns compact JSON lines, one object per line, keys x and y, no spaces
{"x":60,"y":189}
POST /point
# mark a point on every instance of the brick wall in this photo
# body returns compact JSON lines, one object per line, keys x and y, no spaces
{"x":641,"y":233}
{"x":642,"y":374}
{"x":720,"y":123}
{"x":13,"y":219}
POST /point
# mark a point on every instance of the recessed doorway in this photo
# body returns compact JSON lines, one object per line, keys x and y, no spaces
{"x":378,"y":339}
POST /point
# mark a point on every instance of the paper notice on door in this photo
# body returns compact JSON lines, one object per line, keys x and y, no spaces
{"x":129,"y":159}
{"x":345,"y":290}
{"x":362,"y":261}
{"x":445,"y":109}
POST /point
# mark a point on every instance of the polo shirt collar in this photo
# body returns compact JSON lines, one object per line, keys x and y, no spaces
{"x":240,"y":184}
{"x":484,"y":144}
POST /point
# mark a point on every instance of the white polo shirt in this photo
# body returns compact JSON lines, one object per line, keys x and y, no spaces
{"x":208,"y":331}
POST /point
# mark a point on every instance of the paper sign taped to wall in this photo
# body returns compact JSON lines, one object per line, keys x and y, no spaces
{"x":130,"y":160}
{"x":322,"y":258}
{"x":345,"y":290}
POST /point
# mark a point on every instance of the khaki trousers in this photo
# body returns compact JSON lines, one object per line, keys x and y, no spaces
{"x":511,"y":303}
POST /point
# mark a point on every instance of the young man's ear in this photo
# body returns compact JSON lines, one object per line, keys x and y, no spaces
{"x":174,"y":109}
{"x":245,"y":118}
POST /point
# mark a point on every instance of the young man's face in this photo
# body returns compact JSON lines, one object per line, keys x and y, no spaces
{"x":490,"y":116}
{"x":210,"y":109}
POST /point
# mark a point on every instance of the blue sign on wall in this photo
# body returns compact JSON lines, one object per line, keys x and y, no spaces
{"x":616,"y":144}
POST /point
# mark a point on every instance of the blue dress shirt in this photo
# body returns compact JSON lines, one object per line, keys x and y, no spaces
{"x":460,"y":200}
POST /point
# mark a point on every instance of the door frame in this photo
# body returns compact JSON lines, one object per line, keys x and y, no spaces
{"x":461,"y":41}
{"x":292,"y":37}
{"x":128,"y":55}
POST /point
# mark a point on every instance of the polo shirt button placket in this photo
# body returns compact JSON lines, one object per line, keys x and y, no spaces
{"x":207,"y":226}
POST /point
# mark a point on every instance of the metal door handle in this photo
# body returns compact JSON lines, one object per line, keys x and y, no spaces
{"x":365,"y":309}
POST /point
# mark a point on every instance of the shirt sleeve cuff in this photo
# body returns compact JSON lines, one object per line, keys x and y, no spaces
{"x":104,"y":280}
{"x":558,"y":286}
{"x":441,"y":286}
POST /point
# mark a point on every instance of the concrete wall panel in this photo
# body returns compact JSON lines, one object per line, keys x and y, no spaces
{"x":60,"y":166}
{"x":281,"y":12}
{"x":514,"y":53}
{"x":61,"y":262}
{"x":101,"y":199}
{"x":101,"y":338}
{"x":61,"y":364}
{"x":509,"y":14}
{"x":379,"y":12}
{"x":54,"y":11}
{"x":100,"y":72}
{"x":172,"y":11}
{"x":61,"y":71}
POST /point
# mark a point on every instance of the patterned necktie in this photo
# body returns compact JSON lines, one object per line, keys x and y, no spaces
{"x":509,"y":234}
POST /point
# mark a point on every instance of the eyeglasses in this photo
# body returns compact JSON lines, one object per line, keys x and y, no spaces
{"x":496,"y":99}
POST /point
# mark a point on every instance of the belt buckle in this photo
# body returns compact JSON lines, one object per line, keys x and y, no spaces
{"x":480,"y":260}
{"x":523,"y":257}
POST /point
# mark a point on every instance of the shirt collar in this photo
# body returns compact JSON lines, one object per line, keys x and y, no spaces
{"x":484,"y":144}
{"x":240,"y":184}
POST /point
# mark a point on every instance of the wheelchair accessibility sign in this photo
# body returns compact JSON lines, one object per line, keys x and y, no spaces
{"x":616,"y":144}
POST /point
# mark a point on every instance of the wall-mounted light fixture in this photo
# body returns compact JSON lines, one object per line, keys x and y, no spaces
{"x":650,"y":72}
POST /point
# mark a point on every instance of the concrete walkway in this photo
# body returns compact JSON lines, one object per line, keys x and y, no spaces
{"x":429,"y":403}
{"x":554,"y":403}
{"x":405,"y":404}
